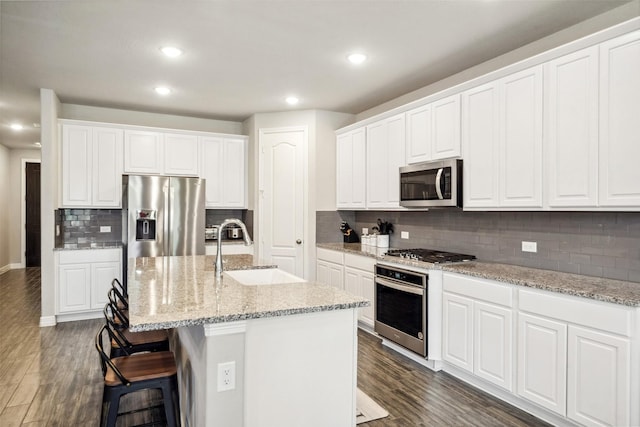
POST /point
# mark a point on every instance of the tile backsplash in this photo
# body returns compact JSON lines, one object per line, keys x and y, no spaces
{"x":80,"y":228}
{"x":603,"y":244}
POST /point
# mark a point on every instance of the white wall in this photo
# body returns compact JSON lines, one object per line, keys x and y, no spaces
{"x":112,"y":115}
{"x":585,"y":28}
{"x":16,"y":201}
{"x":4,"y":214}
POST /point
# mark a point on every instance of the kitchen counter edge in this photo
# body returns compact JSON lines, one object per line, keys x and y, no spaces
{"x":597,"y":288}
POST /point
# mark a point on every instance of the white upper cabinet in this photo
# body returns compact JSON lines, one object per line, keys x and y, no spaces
{"x":480,"y":145}
{"x":433,"y":131}
{"x":571,"y":130}
{"x":143,"y":152}
{"x":180,"y":154}
{"x":385,"y":155}
{"x":521,"y":139}
{"x":445,"y":129}
{"x":351,"y":170}
{"x":223,"y":165}
{"x":91,"y":166}
{"x":502,"y":139}
{"x":619,"y":121}
{"x":418,"y":145}
{"x":158,"y":153}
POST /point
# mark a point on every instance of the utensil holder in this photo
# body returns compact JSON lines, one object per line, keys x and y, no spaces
{"x":382,"y":241}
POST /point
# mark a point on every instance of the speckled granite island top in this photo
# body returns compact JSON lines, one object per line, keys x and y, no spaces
{"x":169,"y":292}
{"x":607,"y":290}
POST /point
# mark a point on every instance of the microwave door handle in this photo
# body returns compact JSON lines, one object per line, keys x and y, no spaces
{"x":438,"y":183}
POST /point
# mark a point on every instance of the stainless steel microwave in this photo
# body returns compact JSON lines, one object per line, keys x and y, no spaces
{"x":431,"y":184}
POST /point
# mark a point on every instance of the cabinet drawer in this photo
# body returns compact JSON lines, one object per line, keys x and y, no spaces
{"x":359,"y":262}
{"x":89,"y":255}
{"x":329,"y":255}
{"x":478,"y":289}
{"x":595,"y":314}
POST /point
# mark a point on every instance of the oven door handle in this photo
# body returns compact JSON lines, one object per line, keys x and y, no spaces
{"x":403,"y":288}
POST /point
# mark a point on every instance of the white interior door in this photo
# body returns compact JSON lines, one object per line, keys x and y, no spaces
{"x":282,"y":198}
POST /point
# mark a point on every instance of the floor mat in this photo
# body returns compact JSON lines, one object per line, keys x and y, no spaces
{"x":366,"y":409}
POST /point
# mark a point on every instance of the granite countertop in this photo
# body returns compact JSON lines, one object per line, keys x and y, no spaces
{"x":597,"y":288}
{"x":169,"y":292}
{"x":94,"y":245}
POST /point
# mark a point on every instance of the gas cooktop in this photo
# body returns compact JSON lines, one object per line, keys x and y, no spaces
{"x":430,"y":255}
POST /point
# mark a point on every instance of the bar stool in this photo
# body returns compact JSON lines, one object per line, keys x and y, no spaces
{"x":127,"y":374}
{"x":124,"y":342}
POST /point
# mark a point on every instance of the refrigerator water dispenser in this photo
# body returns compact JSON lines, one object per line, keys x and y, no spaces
{"x":146,"y":224}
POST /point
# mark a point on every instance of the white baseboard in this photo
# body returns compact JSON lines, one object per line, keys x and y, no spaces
{"x":5,"y":268}
{"x":47,"y":321}
{"x":72,"y":317}
{"x":17,"y":265}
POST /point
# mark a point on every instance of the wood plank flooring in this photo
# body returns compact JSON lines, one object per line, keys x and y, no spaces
{"x":51,"y":376}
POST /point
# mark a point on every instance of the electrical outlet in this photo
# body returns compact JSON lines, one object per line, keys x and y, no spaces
{"x":404,"y":234}
{"x":365,"y":231}
{"x":529,"y":246}
{"x":226,"y":376}
{"x":105,"y":229}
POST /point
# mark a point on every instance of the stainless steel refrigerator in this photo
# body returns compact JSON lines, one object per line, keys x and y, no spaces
{"x":162,"y":216}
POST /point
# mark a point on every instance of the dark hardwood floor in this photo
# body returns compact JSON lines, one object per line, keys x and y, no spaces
{"x":51,"y":376}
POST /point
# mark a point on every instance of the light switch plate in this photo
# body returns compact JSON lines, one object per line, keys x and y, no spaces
{"x":365,"y":231}
{"x":404,"y":234}
{"x":105,"y":229}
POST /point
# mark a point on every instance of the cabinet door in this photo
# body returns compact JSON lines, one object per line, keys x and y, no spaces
{"x":76,"y":165}
{"x":367,"y":284}
{"x":571,"y":129}
{"x":234,"y":169}
{"x":619,"y":111}
{"x":210,"y":170}
{"x":445,"y":130}
{"x":542,"y":362}
{"x":457,"y":331}
{"x":336,"y":276}
{"x":107,"y":167}
{"x":480,"y":129}
{"x":322,"y":272}
{"x":418,"y":145}
{"x":74,"y":285}
{"x":493,"y":344}
{"x":143,"y":152}
{"x":180,"y":154}
{"x":352,"y":281}
{"x":598,"y":378}
{"x":350,"y":170}
{"x":102,"y":274}
{"x":521,"y":139}
{"x":385,"y":155}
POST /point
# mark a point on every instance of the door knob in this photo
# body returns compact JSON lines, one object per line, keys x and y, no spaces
{"x":299,"y":241}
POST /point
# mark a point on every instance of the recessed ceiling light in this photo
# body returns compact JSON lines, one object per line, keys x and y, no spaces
{"x":162,"y":90}
{"x":171,"y":51}
{"x":357,"y":58}
{"x":292,"y":100}
{"x":16,"y":126}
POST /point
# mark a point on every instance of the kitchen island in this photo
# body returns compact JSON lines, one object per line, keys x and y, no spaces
{"x":250,"y":355}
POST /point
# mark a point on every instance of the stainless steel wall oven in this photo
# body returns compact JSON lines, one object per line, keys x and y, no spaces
{"x":401,"y":307}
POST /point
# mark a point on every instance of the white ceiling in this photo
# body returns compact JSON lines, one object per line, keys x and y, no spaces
{"x":244,"y":57}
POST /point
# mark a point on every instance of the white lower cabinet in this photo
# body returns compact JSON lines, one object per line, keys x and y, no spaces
{"x":351,"y":272}
{"x":477,"y":327}
{"x":572,"y":359}
{"x":330,"y":268}
{"x":359,"y":280}
{"x":84,"y":278}
{"x":542,"y":355}
{"x":598,"y":378}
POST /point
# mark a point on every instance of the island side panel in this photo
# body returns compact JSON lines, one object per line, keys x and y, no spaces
{"x":301,"y":370}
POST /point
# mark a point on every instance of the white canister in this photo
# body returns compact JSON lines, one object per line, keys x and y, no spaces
{"x":365,"y":240}
{"x":382,"y":241}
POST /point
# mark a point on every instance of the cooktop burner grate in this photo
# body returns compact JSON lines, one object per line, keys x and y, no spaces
{"x":430,"y":255}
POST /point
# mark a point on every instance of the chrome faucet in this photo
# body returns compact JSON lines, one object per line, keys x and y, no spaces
{"x":245,"y":236}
